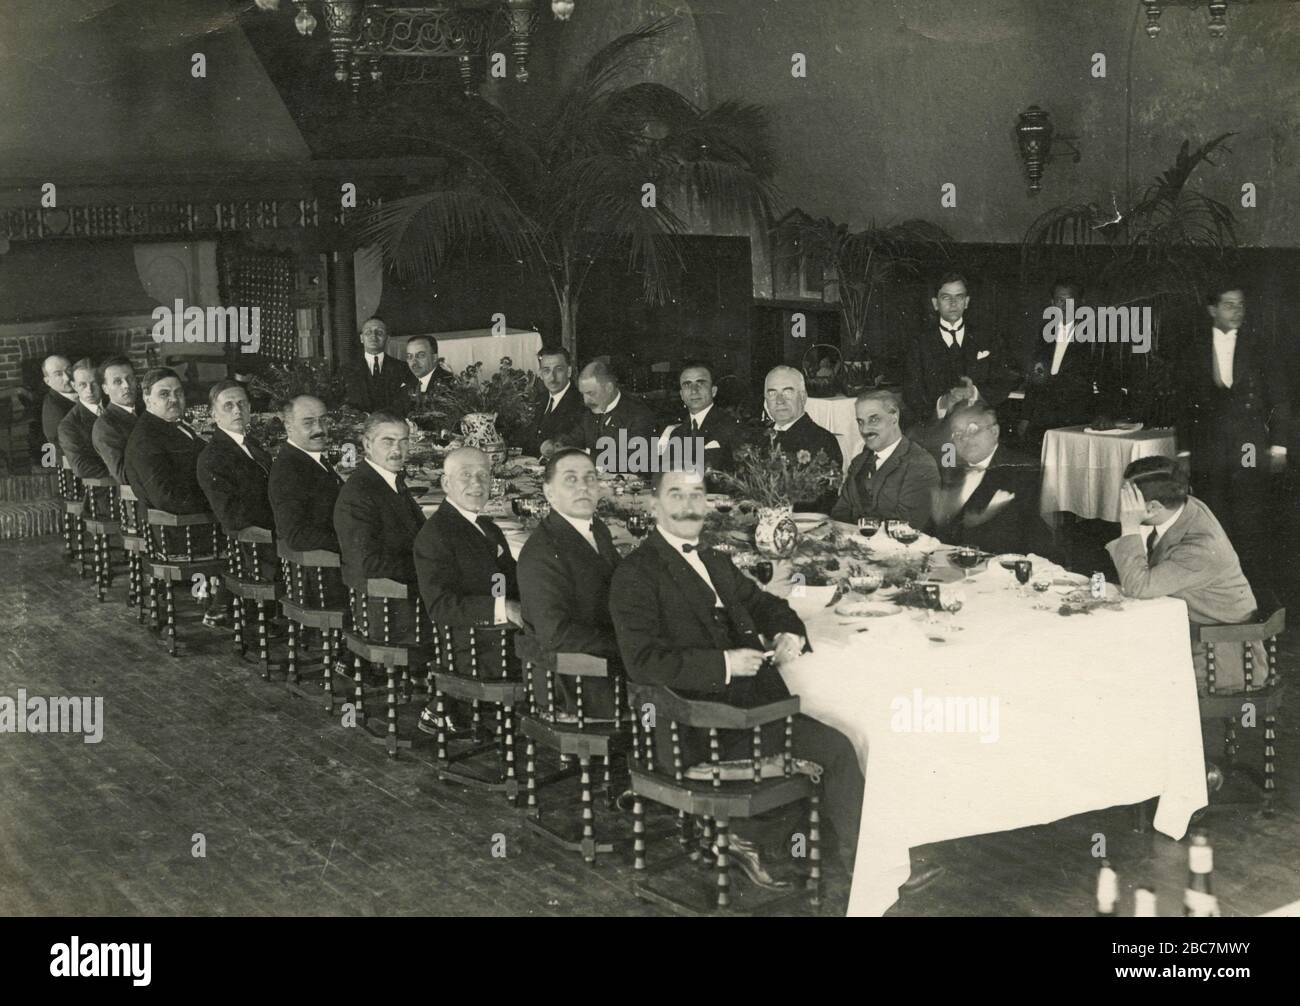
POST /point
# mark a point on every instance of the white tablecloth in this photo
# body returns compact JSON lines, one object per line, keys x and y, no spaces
{"x":1092,"y":711}
{"x":1083,"y":472}
{"x":460,"y":349}
{"x":837,"y":415}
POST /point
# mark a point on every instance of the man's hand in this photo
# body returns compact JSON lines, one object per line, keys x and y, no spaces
{"x":547,"y":448}
{"x":1276,"y":460}
{"x":744,"y":663}
{"x":1000,"y":499}
{"x":514,"y":613}
{"x":1132,"y":509}
{"x":788,"y":646}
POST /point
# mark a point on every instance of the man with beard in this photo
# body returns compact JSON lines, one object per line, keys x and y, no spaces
{"x":116,"y":419}
{"x":893,"y":478}
{"x":77,"y":427}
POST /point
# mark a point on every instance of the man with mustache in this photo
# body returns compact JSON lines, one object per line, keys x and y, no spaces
{"x":893,"y":478}
{"x":77,"y":427}
{"x":427,"y":372}
{"x":613,"y":416}
{"x":302,"y":486}
{"x":117,"y":418}
{"x":233,"y":467}
{"x":562,"y":409}
{"x":564,"y":573}
{"x":56,"y":372}
{"x":376,"y":519}
{"x":377,"y":380}
{"x":162,"y":453}
{"x":685,"y":618}
{"x":465,"y":569}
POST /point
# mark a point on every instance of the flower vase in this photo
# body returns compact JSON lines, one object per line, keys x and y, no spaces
{"x":776,"y":534}
{"x":479,"y":430}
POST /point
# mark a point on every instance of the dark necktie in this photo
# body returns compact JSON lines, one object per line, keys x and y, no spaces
{"x":550,"y":406}
{"x":1151,"y":542}
{"x":695,"y":426}
{"x":408,"y":499}
{"x":952,"y":333}
{"x":258,"y":455}
{"x":604,"y":545}
{"x":869,"y":467}
{"x":374,"y":367}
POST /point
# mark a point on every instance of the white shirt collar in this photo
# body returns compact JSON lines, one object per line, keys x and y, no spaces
{"x":983,"y":466}
{"x":782,"y":427}
{"x":700,"y":416}
{"x":469,"y":515}
{"x":1164,"y":525}
{"x":71,"y":396}
{"x":236,"y":437}
{"x":581,"y":525}
{"x":614,"y":404}
{"x":389,"y":477}
{"x":372,"y":357}
{"x":555,"y":398}
{"x":883,"y":455}
{"x":94,"y":408}
{"x":676,"y":542}
{"x":314,"y":455}
{"x":424,"y":381}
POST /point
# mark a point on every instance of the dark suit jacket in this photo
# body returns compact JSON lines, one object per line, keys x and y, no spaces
{"x":562,"y":419}
{"x":412,"y":398}
{"x":631,"y":416}
{"x":302,"y":496}
{"x":1017,"y":527}
{"x":667,"y":632}
{"x":932,"y":369}
{"x":162,"y":466}
{"x":109,"y":436}
{"x":1194,"y":561}
{"x":902,"y":489}
{"x":458,"y":566}
{"x":1064,"y":398}
{"x":368,"y":393}
{"x":718,"y":426}
{"x":75,"y":433}
{"x":53,"y":409}
{"x":807,"y":435}
{"x":235,"y":484}
{"x":1217,"y":421}
{"x":376,"y":528}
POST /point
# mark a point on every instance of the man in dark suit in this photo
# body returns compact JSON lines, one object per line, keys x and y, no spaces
{"x":117,"y":418}
{"x":1061,"y":373}
{"x":162,"y":453}
{"x":377,"y":381}
{"x":466,"y":572}
{"x":893,"y":478}
{"x":951,"y":361}
{"x":785,"y":396}
{"x":426,"y":373}
{"x":686,"y":619}
{"x":233,"y":467}
{"x":56,"y":371}
{"x":990,"y":500}
{"x":715,"y":433}
{"x":618,"y":428}
{"x":561,"y":409}
{"x":564,"y":573}
{"x":1171,"y":545}
{"x":302,"y":487}
{"x":1236,"y":423}
{"x":77,"y":427}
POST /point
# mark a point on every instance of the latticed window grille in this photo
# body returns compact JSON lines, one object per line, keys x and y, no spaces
{"x":254,"y":277}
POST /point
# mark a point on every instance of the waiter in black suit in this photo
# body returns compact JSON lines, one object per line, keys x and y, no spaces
{"x":162,"y":453}
{"x":116,"y":419}
{"x":562,"y":408}
{"x":564,"y":573}
{"x":302,"y":487}
{"x":426,"y":373}
{"x":952,"y":361}
{"x":615,"y":421}
{"x":686,"y":619}
{"x":1061,"y":374}
{"x":715,"y":433}
{"x":990,"y":500}
{"x":376,"y":519}
{"x":1236,"y":423}
{"x":785,"y":397}
{"x":466,"y":572}
{"x":77,"y":427}
{"x":233,"y":467}
{"x":377,"y":381}
{"x":56,"y":371}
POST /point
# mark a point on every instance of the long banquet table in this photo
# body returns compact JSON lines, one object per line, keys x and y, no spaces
{"x":1083,"y":472}
{"x":1092,"y":711}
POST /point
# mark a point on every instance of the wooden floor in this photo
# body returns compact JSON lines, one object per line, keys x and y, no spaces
{"x":300,"y":816}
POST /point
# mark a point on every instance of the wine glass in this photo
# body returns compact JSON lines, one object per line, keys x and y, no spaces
{"x":967,"y":558}
{"x":762,"y":570}
{"x":637,"y":525}
{"x":519,"y":506}
{"x":1024,"y":569}
{"x":903,"y":532}
{"x":724,"y":505}
{"x":868,"y":526}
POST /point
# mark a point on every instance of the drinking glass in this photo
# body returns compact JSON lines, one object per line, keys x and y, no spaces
{"x":967,"y":558}
{"x":762,"y":570}
{"x":902,"y":531}
{"x":637,"y":525}
{"x":868,"y":526}
{"x":1024,"y":569}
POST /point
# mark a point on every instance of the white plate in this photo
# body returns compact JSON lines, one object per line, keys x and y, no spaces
{"x":866,"y":609}
{"x":807,"y":520}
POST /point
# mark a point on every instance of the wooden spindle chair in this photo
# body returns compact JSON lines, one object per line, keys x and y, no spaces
{"x":576,"y":738}
{"x":306,"y":607}
{"x":72,"y":492}
{"x":182,"y":547}
{"x":715,"y":801}
{"x":99,"y":518}
{"x":135,"y":542}
{"x":251,"y":580}
{"x":1262,"y":692}
{"x":469,"y":676}
{"x":370,"y":640}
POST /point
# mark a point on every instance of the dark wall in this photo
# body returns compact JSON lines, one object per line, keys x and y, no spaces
{"x":44,"y":280}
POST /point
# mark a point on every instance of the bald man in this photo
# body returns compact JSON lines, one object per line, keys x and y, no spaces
{"x":60,"y":397}
{"x":785,"y":397}
{"x":612,"y":415}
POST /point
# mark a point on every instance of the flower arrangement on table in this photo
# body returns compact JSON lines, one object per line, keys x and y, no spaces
{"x":767,"y":477}
{"x":280,"y":382}
{"x":510,"y":393}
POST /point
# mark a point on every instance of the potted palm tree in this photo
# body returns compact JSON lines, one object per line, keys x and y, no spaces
{"x":615,"y":169}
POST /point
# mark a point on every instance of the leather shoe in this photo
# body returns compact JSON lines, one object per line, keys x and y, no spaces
{"x":922,"y":876}
{"x":429,"y":723}
{"x":745,"y":855}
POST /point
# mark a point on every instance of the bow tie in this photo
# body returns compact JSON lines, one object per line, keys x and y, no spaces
{"x":688,"y":547}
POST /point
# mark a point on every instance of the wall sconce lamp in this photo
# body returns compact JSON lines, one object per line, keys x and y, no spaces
{"x":1037,"y":139}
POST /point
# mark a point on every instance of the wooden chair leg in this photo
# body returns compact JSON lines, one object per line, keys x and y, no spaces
{"x":169,"y":597}
{"x":327,"y":644}
{"x":154,"y":623}
{"x":508,"y":745}
{"x":263,"y":645}
{"x":588,"y":820}
{"x":638,"y":833}
{"x":530,"y":776}
{"x":723,"y":865}
{"x":291,"y":665}
{"x":814,"y":850}
{"x":706,"y":842}
{"x":1270,"y":766}
{"x":359,"y":690}
{"x":1229,"y":740}
{"x":440,"y":708}
{"x":392,"y":710}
